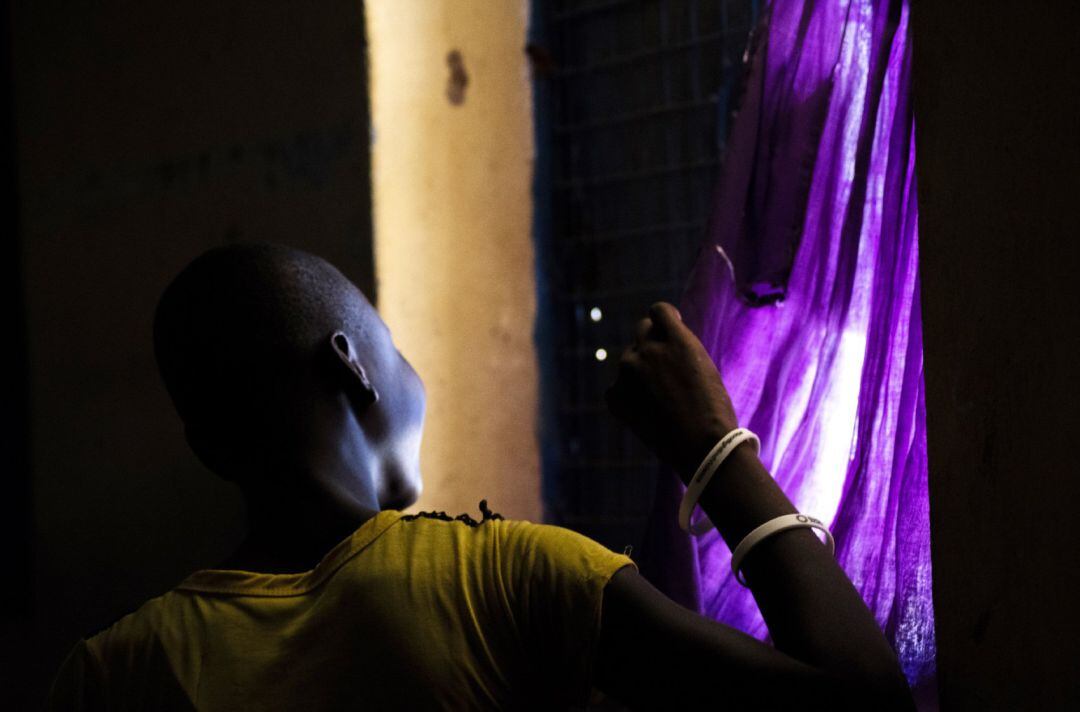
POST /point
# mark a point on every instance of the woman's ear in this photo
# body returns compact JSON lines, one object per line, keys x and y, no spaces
{"x":348,"y":366}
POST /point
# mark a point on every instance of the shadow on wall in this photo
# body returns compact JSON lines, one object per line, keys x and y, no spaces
{"x":147,"y":135}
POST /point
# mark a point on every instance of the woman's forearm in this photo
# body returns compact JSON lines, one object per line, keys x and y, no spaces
{"x":811,"y":608}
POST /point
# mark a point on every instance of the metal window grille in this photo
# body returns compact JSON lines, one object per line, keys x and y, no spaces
{"x":630,"y":126}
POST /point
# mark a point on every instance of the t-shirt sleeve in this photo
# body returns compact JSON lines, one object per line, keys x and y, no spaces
{"x":557,"y":579}
{"x":79,"y":684}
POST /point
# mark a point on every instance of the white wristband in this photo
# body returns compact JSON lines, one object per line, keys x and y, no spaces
{"x":705,"y":472}
{"x":775,"y":526}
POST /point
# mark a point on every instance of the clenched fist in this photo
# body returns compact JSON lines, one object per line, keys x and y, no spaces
{"x":669,"y":392}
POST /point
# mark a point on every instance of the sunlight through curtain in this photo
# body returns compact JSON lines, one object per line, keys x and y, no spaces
{"x":807,"y":296}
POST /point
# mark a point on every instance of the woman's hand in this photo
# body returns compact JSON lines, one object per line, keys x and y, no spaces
{"x":669,"y":392}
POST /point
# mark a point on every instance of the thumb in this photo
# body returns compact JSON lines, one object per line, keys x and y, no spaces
{"x":667,"y":318}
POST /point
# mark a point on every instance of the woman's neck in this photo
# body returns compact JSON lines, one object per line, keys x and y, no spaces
{"x":291,"y":532}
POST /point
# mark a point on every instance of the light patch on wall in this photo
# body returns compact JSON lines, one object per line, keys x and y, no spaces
{"x":451,"y":174}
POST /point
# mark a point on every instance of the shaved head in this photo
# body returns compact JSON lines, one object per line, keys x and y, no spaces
{"x":284,"y":374}
{"x":239,"y":324}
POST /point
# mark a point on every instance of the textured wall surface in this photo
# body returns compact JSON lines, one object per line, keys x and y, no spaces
{"x":452,"y":168}
{"x":997,"y":95}
{"x":149,"y":132}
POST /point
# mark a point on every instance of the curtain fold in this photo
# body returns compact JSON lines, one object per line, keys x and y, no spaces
{"x":807,"y":296}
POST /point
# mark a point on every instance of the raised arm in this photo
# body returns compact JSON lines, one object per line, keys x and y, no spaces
{"x":654,"y":653}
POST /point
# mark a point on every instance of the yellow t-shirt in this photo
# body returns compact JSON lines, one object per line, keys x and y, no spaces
{"x":415,"y":614}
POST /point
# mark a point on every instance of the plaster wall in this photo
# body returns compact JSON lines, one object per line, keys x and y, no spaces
{"x":452,"y":158}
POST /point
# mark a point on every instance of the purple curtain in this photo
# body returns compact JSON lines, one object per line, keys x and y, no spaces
{"x":807,"y":296}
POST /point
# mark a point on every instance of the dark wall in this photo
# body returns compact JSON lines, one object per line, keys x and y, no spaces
{"x":997,"y":101}
{"x":148,"y":132}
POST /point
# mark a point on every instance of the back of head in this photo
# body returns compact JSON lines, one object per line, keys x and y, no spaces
{"x":237,"y":332}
